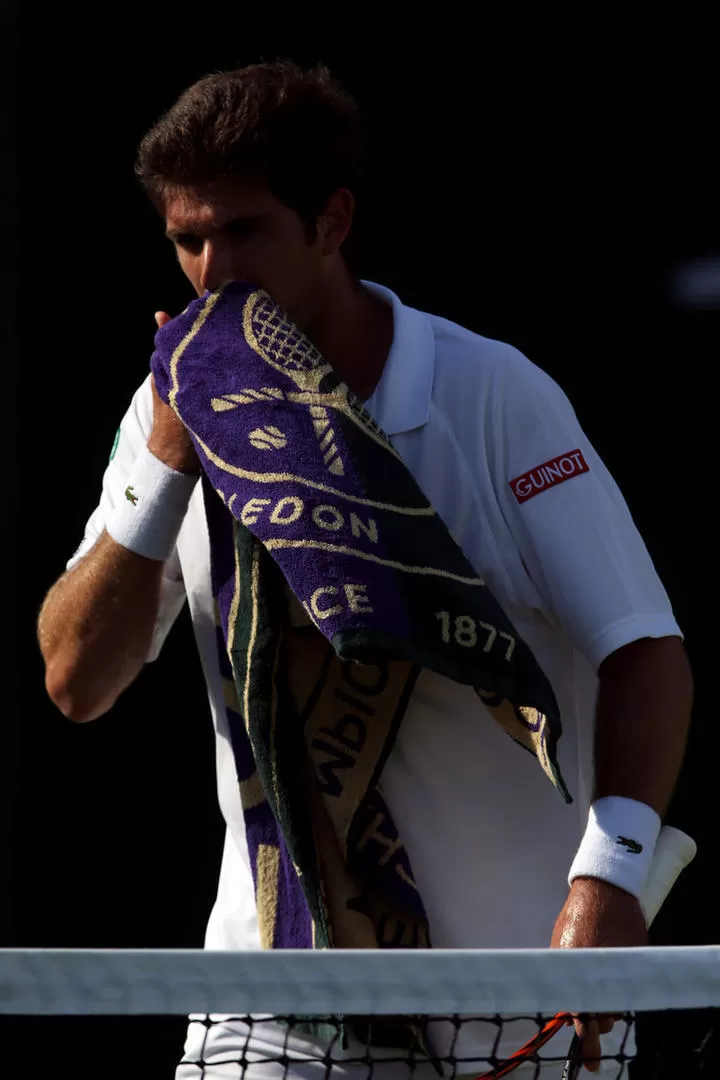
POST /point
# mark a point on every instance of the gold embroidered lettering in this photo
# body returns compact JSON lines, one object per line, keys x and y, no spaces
{"x":330,"y":783}
{"x":354,"y":702}
{"x":352,"y":671}
{"x":373,"y":833}
{"x":278,"y":516}
{"x":356,"y":598}
{"x":252,"y":509}
{"x":349,"y":730}
{"x":320,"y":517}
{"x":324,"y":613}
{"x":402,"y":873}
{"x":358,"y":526}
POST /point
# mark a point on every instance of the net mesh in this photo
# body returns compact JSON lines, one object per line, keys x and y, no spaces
{"x":392,"y":1015}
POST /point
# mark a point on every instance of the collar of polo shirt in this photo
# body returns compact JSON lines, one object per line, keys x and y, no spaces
{"x":401,"y":399}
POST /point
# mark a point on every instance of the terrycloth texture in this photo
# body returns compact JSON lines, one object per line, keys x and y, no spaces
{"x":335,"y":583}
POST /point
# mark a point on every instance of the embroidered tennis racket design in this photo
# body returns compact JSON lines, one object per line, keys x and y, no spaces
{"x":282,"y":345}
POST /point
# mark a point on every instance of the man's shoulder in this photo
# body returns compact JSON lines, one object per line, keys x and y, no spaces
{"x":478,"y":360}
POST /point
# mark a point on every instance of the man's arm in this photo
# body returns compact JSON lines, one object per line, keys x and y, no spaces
{"x":642,"y":721}
{"x":592,"y":572}
{"x":96,"y":626}
{"x":641,"y":726}
{"x":97,"y":623}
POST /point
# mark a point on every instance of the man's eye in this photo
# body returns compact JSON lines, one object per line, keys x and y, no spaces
{"x":188,"y":242}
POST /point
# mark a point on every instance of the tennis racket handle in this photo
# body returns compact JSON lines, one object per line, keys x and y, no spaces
{"x":673,"y":852}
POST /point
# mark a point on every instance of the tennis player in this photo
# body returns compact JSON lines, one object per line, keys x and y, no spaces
{"x":255,"y":173}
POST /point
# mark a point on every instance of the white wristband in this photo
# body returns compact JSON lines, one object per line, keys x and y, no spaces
{"x":618,"y":844}
{"x":147,"y":519}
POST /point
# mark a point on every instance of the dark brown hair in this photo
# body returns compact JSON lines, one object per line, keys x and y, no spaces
{"x":299,"y":132}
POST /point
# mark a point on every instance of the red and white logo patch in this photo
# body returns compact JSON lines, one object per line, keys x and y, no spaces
{"x":555,"y":471}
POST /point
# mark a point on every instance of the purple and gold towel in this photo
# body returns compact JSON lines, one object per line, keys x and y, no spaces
{"x":335,"y":582}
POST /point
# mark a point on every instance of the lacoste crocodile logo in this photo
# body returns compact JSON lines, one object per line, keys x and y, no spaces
{"x":129,"y":494}
{"x":631,"y":845}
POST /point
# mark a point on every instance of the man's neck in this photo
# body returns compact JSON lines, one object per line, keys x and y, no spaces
{"x":354,"y":333}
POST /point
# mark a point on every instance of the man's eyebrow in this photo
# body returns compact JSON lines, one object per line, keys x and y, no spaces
{"x":173,"y":234}
{"x":242,"y":221}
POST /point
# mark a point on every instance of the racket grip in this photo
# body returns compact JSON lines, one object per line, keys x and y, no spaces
{"x":673,"y":851}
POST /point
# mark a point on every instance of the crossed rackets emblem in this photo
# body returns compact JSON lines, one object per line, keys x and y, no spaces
{"x":282,"y":345}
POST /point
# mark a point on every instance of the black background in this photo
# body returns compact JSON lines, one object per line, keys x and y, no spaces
{"x":542,"y":199}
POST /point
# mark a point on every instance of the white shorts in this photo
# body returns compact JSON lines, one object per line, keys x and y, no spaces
{"x":232,"y":1049}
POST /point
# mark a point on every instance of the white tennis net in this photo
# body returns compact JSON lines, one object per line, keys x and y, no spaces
{"x":390,"y":1014}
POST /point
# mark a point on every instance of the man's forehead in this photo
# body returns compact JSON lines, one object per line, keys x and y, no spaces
{"x":200,"y":209}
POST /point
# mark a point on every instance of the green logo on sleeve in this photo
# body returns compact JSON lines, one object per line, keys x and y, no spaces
{"x":114,"y":445}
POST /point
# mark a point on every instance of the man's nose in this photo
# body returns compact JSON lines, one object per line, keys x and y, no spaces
{"x":216,"y":267}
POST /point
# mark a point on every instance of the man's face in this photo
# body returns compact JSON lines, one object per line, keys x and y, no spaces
{"x":237,"y":231}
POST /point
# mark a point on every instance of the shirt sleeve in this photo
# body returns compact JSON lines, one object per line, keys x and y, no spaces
{"x":569,"y":519}
{"x":131,"y":437}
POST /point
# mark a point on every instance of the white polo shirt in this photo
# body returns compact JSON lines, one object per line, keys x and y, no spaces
{"x":498,"y":450}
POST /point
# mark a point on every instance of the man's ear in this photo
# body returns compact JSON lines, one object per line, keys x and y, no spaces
{"x":336,"y":220}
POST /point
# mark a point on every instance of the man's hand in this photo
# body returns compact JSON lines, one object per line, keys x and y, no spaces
{"x":169,"y":440}
{"x":597,"y":914}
